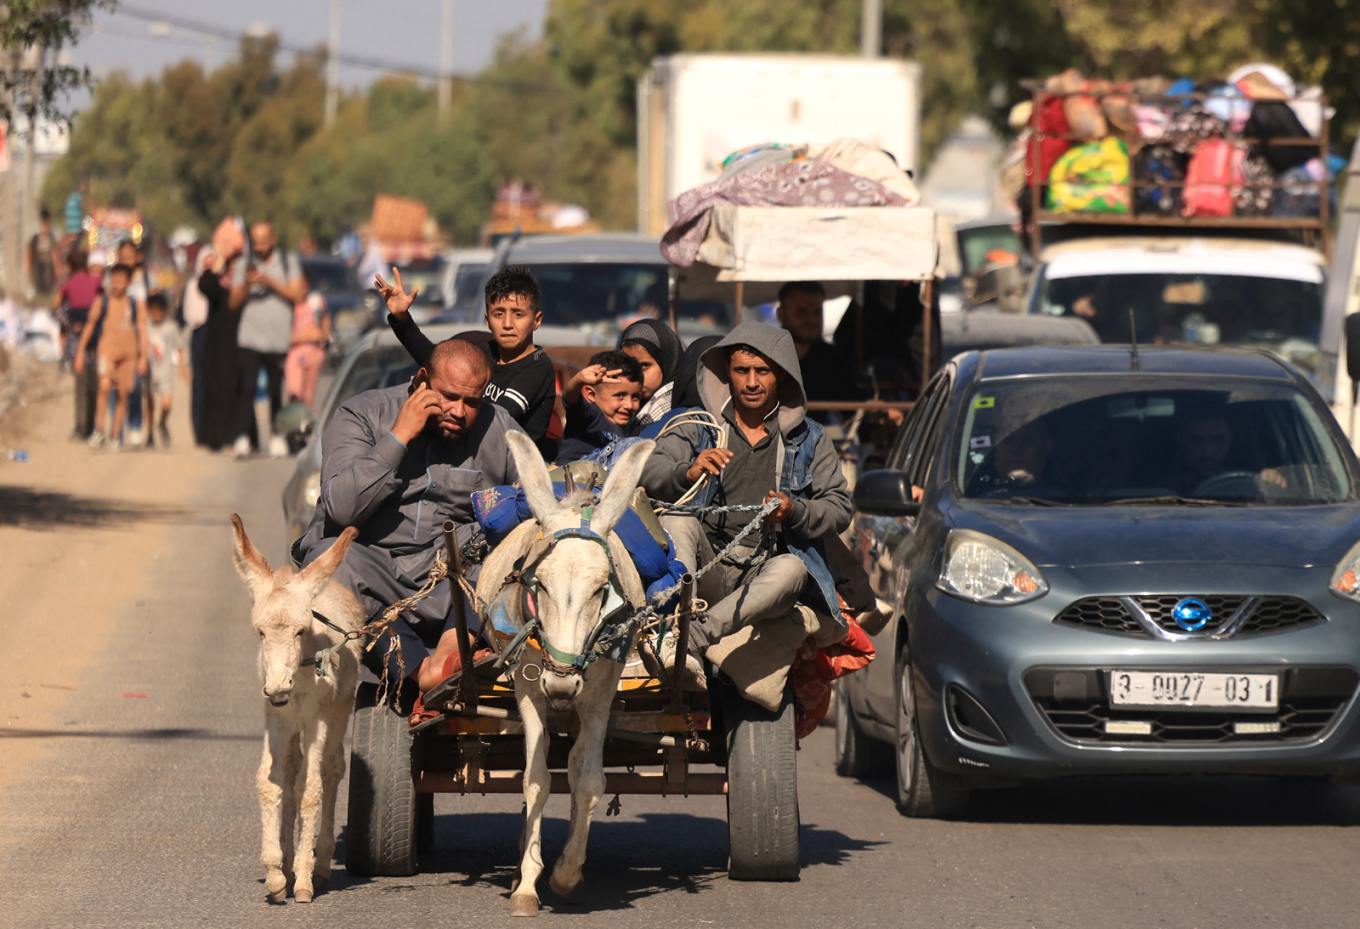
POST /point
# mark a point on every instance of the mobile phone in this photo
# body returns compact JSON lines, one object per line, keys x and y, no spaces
{"x":421,"y":379}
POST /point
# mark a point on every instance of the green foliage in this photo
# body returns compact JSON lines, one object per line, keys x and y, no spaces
{"x":560,"y":113}
{"x":191,"y":148}
{"x":31,"y":26}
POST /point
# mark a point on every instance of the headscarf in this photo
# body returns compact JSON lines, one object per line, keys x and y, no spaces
{"x":686,"y":392}
{"x":659,"y":340}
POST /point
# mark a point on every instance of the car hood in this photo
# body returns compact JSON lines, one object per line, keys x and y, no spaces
{"x":1292,"y":537}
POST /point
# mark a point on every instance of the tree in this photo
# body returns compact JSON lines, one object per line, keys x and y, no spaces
{"x":28,"y":30}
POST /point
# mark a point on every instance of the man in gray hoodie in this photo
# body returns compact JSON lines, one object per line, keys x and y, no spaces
{"x":396,"y":463}
{"x":752,"y":383}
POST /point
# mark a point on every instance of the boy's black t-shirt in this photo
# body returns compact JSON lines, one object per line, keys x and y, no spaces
{"x":525,"y":388}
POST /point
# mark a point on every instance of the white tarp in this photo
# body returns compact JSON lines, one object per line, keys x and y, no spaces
{"x":774,"y":243}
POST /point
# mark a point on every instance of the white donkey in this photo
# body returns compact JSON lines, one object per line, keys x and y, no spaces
{"x":305,"y":714}
{"x":572,"y":574}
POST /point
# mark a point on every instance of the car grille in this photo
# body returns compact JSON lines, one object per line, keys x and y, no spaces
{"x":1310,"y":700}
{"x":1109,"y":614}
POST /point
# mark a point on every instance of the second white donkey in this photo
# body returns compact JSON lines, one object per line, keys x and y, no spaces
{"x":305,"y":713}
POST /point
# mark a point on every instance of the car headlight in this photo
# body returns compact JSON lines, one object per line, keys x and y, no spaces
{"x":982,"y":569}
{"x":1346,"y":577}
{"x":311,"y":490}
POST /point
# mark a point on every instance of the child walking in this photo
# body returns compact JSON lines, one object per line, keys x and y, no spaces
{"x":121,"y":355}
{"x":163,"y":344}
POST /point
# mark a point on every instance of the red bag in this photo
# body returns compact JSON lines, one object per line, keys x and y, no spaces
{"x":1214,"y":169}
{"x":815,"y":668}
{"x":1051,"y":121}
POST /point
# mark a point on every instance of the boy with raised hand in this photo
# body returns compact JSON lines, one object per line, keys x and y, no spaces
{"x":523,"y":380}
{"x":600,"y":400}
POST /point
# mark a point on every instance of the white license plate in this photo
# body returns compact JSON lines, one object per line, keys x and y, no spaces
{"x":1190,"y":688}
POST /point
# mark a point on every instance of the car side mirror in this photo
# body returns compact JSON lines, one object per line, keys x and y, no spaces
{"x":885,"y":493}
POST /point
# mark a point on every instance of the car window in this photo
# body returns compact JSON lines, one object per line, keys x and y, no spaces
{"x":939,"y":395}
{"x":385,"y":366}
{"x":1088,"y":441}
{"x":935,"y":426}
{"x":1280,"y":316}
{"x":902,"y":440}
{"x":591,"y":295}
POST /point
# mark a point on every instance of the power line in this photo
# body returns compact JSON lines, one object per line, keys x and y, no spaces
{"x":357,"y":61}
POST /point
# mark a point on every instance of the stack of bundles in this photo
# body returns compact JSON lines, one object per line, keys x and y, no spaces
{"x":1160,"y":148}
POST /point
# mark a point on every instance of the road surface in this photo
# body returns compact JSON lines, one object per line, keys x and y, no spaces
{"x":132,"y":721}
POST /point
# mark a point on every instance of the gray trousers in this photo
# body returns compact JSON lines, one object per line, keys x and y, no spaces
{"x":737,"y":595}
{"x":368,"y":574}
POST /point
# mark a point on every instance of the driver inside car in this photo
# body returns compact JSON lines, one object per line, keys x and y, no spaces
{"x":1022,"y":457}
{"x":1202,"y":444}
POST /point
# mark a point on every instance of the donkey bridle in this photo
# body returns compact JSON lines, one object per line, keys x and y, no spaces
{"x":555,"y":659}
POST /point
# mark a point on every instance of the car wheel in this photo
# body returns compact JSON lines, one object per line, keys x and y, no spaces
{"x":923,"y":791}
{"x":856,"y":754}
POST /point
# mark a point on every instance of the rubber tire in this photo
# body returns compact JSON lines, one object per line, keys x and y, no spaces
{"x":381,"y":838}
{"x":923,"y":791}
{"x":762,"y":790}
{"x":424,"y":823}
{"x":857,"y":755}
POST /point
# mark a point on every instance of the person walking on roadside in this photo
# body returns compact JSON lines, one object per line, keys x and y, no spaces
{"x":121,"y":356}
{"x":311,"y":334}
{"x":265,"y":290}
{"x":193,"y":311}
{"x":40,"y":258}
{"x":72,"y":305}
{"x":220,"y":367}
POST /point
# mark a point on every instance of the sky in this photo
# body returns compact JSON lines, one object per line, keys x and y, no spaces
{"x":402,"y":32}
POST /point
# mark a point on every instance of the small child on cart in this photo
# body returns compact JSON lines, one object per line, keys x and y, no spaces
{"x":165,"y":358}
{"x":600,"y":401}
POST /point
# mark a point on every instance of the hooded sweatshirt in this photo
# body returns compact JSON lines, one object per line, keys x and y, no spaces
{"x":821,"y":507}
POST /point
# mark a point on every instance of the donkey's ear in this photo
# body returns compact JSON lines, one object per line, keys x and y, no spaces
{"x":317,"y":575}
{"x":619,"y":487}
{"x":533,"y":476}
{"x":250,"y":564}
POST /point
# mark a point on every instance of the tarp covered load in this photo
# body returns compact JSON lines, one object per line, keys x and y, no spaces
{"x":780,"y":213}
{"x":762,"y":243}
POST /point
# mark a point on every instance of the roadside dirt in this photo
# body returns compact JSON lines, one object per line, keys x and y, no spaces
{"x":79,"y":529}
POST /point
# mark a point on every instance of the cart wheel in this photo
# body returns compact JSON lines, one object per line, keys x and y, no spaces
{"x":857,"y":755}
{"x":424,"y":822}
{"x":762,"y":790}
{"x":381,"y":839}
{"x":923,"y":791}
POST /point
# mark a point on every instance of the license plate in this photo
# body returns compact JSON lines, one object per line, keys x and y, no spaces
{"x":1193,"y":689}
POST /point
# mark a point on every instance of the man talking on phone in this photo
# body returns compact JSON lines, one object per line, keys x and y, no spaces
{"x":396,"y":463}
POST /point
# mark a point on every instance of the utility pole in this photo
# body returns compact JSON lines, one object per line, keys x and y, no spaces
{"x":871,"y":29}
{"x":333,"y":66}
{"x":446,"y":61}
{"x":28,"y":220}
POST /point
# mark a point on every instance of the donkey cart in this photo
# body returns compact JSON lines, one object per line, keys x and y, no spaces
{"x":471,"y":741}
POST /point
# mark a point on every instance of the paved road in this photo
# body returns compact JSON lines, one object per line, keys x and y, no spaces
{"x":140,"y":811}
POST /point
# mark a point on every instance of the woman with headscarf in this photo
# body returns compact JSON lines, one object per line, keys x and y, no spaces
{"x":657,"y":350}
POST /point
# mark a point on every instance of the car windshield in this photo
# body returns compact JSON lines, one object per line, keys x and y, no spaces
{"x":467,"y":285}
{"x":329,"y":277}
{"x":425,"y":277}
{"x":1281,"y":316}
{"x":1121,"y":440}
{"x":384,"y":366}
{"x":601,"y":295}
